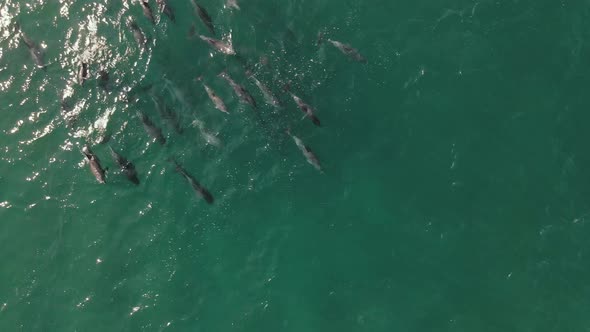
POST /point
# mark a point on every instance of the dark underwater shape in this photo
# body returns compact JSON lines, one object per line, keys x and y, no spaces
{"x":103,"y":79}
{"x":125,"y":165}
{"x":151,"y":129}
{"x":138,"y":35}
{"x":197,"y":187}
{"x":204,"y":16}
{"x":167,"y":114}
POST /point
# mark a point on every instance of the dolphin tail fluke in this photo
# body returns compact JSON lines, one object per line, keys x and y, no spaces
{"x":207,"y":196}
{"x":315,"y":120}
{"x":287,"y":87}
{"x":192,"y":31}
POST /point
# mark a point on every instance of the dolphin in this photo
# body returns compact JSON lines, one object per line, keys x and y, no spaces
{"x":151,"y":129}
{"x":34,"y":49}
{"x":126,"y":166}
{"x":94,"y":163}
{"x":305,"y":108}
{"x":346,"y":49}
{"x":197,"y":187}
{"x":243,"y":94}
{"x":269,"y":97}
{"x":192,"y":31}
{"x":207,"y":136}
{"x":70,"y":117}
{"x":166,"y":9}
{"x":217,"y":101}
{"x":147,"y":10}
{"x":137,"y":34}
{"x":103,"y":79}
{"x":223,"y":47}
{"x":204,"y":16}
{"x":82,"y":72}
{"x":167,"y":114}
{"x":307,"y":152}
{"x":232,"y":4}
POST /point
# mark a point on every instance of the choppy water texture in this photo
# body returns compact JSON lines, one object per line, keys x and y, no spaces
{"x":454,"y":195}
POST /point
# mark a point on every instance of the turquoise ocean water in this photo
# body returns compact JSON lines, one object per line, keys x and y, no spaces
{"x":453,"y":196}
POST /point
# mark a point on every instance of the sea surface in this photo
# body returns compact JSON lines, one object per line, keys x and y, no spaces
{"x":453,"y":194}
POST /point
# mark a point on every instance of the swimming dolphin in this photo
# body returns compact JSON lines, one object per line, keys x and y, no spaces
{"x":243,"y":94}
{"x":103,"y":79}
{"x":175,"y":92}
{"x":166,"y":9}
{"x":192,"y":31}
{"x":147,"y":10}
{"x":34,"y":49}
{"x":207,"y":136}
{"x":137,"y":34}
{"x":204,"y":16}
{"x":305,"y":108}
{"x":217,"y":101}
{"x":70,"y":117}
{"x":126,"y":166}
{"x":225,"y":48}
{"x":269,"y":97}
{"x":346,"y":49}
{"x":232,"y":4}
{"x":82,"y":72}
{"x":197,"y":187}
{"x":94,"y":163}
{"x":151,"y":129}
{"x":309,"y":155}
{"x":167,"y":114}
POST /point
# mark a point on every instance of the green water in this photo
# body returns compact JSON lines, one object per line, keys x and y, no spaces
{"x":454,"y":192}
